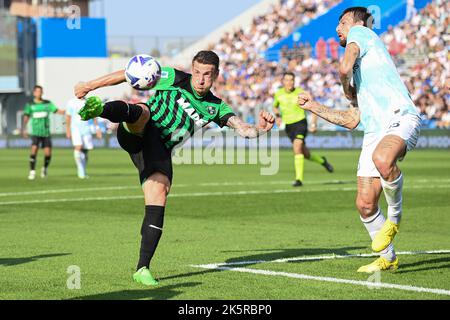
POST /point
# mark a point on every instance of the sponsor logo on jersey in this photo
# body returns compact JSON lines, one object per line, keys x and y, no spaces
{"x":40,"y":115}
{"x":192,"y":113}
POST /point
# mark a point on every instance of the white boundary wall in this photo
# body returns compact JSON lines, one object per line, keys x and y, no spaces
{"x":58,"y":76}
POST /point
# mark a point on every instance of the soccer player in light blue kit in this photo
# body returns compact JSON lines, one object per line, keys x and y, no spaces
{"x":80,"y":133}
{"x":381,"y":104}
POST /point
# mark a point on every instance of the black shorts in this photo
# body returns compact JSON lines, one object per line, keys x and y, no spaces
{"x":297,"y":130}
{"x":43,"y":142}
{"x":148,"y":153}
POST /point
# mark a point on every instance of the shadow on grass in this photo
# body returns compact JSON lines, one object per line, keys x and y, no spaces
{"x":16,"y":261}
{"x":116,"y":174}
{"x":340,"y":182}
{"x":190,"y":274}
{"x":275,"y":254}
{"x":259,"y":258}
{"x":155,"y":293}
{"x":433,"y":264}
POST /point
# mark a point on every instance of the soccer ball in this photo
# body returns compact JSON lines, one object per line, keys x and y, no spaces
{"x":143,"y":72}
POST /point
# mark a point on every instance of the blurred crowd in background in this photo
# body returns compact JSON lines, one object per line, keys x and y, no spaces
{"x":419,"y":47}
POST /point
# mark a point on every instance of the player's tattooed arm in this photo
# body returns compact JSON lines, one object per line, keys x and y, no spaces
{"x":83,"y":88}
{"x":246,"y":130}
{"x":345,"y":118}
{"x":346,"y":70}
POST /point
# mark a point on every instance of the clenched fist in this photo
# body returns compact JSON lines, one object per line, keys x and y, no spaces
{"x":266,"y":121}
{"x":305,"y":100}
{"x":81,"y":90}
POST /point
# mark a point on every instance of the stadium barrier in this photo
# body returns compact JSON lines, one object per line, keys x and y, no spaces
{"x":433,"y":139}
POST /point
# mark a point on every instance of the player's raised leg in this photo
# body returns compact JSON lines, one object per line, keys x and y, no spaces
{"x":369,"y":191}
{"x":385,"y":156}
{"x":156,"y":188}
{"x":134,"y":115}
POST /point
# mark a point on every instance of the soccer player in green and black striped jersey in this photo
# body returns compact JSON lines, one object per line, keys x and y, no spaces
{"x":39,"y":110}
{"x":183,"y":103}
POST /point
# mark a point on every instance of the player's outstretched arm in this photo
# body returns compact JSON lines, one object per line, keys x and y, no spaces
{"x":83,"y":88}
{"x":345,"y":118}
{"x":246,"y":130}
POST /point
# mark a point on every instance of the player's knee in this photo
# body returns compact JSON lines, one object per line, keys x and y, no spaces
{"x":139,"y":125}
{"x":143,"y":118}
{"x":157,"y":189}
{"x":298,"y":146}
{"x":145,"y":115}
{"x":383,"y":165}
{"x":366,"y":208}
{"x":160,"y":193}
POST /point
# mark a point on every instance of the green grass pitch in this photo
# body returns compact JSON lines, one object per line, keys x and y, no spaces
{"x":216,"y":214}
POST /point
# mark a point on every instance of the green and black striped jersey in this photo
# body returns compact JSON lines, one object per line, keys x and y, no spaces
{"x":39,"y":112}
{"x":178,"y":111}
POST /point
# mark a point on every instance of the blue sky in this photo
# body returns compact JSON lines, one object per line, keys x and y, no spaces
{"x":163,"y":18}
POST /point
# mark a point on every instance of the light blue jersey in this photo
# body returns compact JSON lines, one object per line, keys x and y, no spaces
{"x":76,"y":124}
{"x":380,"y":90}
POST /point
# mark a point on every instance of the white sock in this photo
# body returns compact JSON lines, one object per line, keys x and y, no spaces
{"x":83,"y":161}
{"x":393,"y":194}
{"x":374,"y":224}
{"x":78,"y":160}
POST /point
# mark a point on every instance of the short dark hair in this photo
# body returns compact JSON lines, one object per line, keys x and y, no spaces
{"x":207,"y":57}
{"x":289,"y":73}
{"x":38,"y":87}
{"x":360,"y":14}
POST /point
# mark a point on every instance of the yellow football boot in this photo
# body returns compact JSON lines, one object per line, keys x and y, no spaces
{"x":381,"y":264}
{"x":385,"y":236}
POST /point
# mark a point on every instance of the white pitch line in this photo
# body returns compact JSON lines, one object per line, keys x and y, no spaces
{"x":211,"y":184}
{"x":206,"y":184}
{"x":71,"y":200}
{"x":255,"y":183}
{"x":226,"y":266}
{"x":201,"y":194}
{"x":25,"y":193}
{"x":316,"y":258}
{"x":336,"y":280}
{"x":174,"y":195}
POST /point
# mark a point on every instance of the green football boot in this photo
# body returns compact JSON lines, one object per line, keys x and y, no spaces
{"x":92,"y":108}
{"x":144,"y":276}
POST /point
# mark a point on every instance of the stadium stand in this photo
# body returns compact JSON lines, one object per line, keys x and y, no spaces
{"x":247,"y":79}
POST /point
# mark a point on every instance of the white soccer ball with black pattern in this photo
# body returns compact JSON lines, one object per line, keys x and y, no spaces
{"x":143,"y":72}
